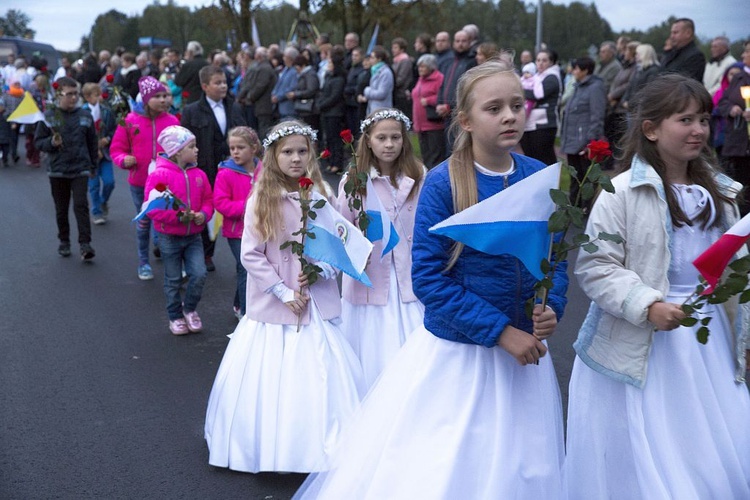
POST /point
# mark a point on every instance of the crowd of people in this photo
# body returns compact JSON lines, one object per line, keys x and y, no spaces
{"x":462,"y":400}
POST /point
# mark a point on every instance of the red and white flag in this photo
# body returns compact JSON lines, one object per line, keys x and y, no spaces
{"x":714,"y":260}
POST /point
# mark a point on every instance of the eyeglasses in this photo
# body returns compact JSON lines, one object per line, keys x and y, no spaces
{"x":69,"y":94}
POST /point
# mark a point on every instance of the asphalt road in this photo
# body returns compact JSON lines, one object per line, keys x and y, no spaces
{"x":97,"y":398}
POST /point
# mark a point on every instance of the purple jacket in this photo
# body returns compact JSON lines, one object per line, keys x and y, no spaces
{"x":231,"y":191}
{"x":266,"y":265}
{"x":138,"y":138}
{"x":379,"y":271}
{"x":191,"y":186}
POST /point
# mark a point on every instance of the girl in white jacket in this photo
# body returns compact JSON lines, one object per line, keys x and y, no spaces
{"x":653,"y":413}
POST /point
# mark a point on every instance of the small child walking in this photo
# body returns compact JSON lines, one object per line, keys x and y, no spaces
{"x":378,"y":320}
{"x":179,"y":230}
{"x":234,"y":184}
{"x":135,"y":148}
{"x":103,"y":183}
{"x":462,"y":410}
{"x":283,"y":391}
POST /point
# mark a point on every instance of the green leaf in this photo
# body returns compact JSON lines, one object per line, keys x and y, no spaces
{"x":587,"y":191}
{"x":736,"y":283}
{"x":558,"y":221}
{"x":576,"y":216}
{"x":702,"y":335}
{"x":559,"y":197}
{"x":611,"y":237}
{"x":580,"y":239}
{"x":688,"y":309}
{"x":741,"y":265}
{"x":705,"y":321}
{"x":573,"y":173}
{"x":319,"y":204}
{"x":590,"y":247}
{"x":529,"y":307}
{"x":312,"y":236}
{"x":606,"y":183}
{"x":312,"y":215}
{"x":284,"y":245}
{"x":545,"y":266}
{"x":689,"y":321}
{"x":595,"y":173}
{"x":745,"y":297}
{"x":357,"y":203}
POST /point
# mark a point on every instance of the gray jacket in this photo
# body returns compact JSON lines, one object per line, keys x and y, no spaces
{"x":583,"y":120}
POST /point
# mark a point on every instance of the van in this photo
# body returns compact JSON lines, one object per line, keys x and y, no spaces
{"x":28,"y":49}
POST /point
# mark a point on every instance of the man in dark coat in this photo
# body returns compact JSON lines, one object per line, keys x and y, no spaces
{"x":188,"y":77}
{"x":256,"y":90}
{"x":685,"y":57}
{"x":210,"y":119}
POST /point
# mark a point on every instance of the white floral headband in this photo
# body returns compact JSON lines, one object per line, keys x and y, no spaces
{"x":385,"y":114}
{"x":290,"y":130}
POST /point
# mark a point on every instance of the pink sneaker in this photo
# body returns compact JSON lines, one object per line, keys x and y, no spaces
{"x":178,"y":326}
{"x":194,"y":323}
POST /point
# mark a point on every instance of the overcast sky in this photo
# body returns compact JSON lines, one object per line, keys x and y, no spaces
{"x":63,"y":24}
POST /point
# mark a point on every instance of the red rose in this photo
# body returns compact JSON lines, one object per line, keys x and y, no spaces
{"x":98,"y":125}
{"x":346,"y":136}
{"x":105,"y":95}
{"x":598,"y":151}
{"x":185,"y":94}
{"x":55,"y":85}
{"x":43,"y":69}
{"x":178,"y":116}
{"x":110,"y":78}
{"x":325,"y":154}
{"x":305,"y":182}
{"x":161,"y":187}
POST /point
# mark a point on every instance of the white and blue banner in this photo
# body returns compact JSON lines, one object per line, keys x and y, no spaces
{"x":380,"y":226}
{"x":156,"y":201}
{"x":338,"y":243}
{"x":513,"y":221}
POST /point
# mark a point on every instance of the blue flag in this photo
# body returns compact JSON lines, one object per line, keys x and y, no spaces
{"x":513,"y":221}
{"x":380,"y":226}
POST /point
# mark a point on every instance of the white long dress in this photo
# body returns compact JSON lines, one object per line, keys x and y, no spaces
{"x":280,"y":396}
{"x":686,"y":434}
{"x":377,"y":332}
{"x":448,"y":420}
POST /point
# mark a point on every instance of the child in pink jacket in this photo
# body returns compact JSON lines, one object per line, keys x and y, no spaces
{"x":234,"y":183}
{"x":135,"y":148}
{"x":180,"y":226}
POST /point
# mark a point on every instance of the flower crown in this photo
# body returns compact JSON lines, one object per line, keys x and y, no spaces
{"x":385,"y":114}
{"x":287,"y":131}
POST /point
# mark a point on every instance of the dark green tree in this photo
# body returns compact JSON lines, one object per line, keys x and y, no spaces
{"x":16,"y":23}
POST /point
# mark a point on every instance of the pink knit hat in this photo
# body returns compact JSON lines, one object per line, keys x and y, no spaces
{"x":149,"y":86}
{"x":174,"y":138}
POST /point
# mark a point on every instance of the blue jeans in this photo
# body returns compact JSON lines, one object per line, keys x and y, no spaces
{"x":174,"y":251}
{"x":142,"y":227}
{"x":240,"y":295}
{"x":101,"y":186}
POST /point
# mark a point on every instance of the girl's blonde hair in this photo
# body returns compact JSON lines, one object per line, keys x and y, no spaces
{"x":406,"y":163}
{"x":461,"y":163}
{"x":273,"y":183}
{"x":248,"y":135}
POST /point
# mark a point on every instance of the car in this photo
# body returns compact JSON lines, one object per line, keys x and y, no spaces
{"x":28,"y":49}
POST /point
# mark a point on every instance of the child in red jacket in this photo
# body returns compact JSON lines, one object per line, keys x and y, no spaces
{"x":180,"y":224}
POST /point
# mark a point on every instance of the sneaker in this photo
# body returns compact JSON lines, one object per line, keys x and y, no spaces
{"x":99,"y":220}
{"x":194,"y":323}
{"x":64,"y":249}
{"x":157,"y":252}
{"x":210,"y":267}
{"x":105,"y":209}
{"x":178,"y":326}
{"x":145,"y":273}
{"x":237,"y":312}
{"x":87,"y":253}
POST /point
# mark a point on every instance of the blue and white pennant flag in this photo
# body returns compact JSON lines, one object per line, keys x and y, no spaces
{"x":380,"y":226}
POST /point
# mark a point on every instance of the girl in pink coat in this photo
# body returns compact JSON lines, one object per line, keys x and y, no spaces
{"x":234,"y":183}
{"x":135,"y":148}
{"x":180,"y":226}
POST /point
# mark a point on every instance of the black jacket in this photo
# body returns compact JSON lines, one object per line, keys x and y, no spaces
{"x":331,"y":102}
{"x":688,"y":60}
{"x":78,"y":154}
{"x":199,"y":118}
{"x":188,"y":79}
{"x":257,"y":86}
{"x":736,"y":142}
{"x":350,"y":88}
{"x":452,"y":69}
{"x":308,"y":87}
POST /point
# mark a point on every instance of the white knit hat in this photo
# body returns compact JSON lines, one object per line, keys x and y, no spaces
{"x":174,"y":138}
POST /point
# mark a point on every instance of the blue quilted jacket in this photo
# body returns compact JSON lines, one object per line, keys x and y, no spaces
{"x":481,"y":294}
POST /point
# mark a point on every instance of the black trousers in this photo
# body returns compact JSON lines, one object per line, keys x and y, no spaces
{"x":432,"y":146}
{"x":62,"y":189}
{"x":540,"y":144}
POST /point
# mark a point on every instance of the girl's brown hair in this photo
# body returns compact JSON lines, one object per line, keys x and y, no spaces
{"x":658,"y":100}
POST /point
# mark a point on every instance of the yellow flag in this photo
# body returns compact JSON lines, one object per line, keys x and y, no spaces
{"x":27,"y":112}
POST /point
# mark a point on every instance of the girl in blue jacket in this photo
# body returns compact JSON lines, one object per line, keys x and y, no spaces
{"x":463,"y":410}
